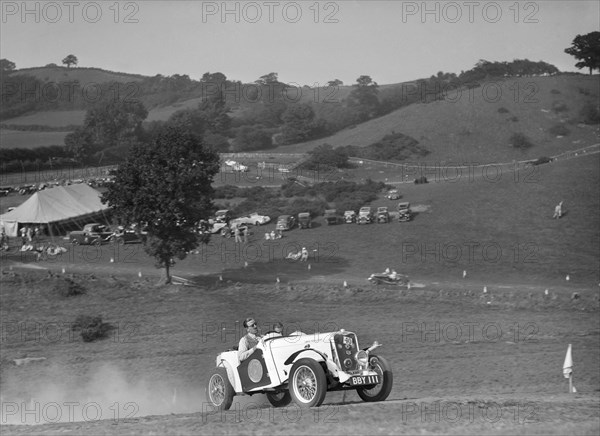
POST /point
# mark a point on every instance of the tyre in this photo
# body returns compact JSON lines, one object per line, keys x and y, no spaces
{"x":307,"y":383}
{"x":219,"y":391}
{"x":97,"y":242}
{"x":381,"y":390}
{"x":279,"y":399}
{"x":121,"y":241}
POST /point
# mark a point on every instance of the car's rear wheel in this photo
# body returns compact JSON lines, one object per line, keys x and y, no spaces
{"x":307,"y":383}
{"x":381,"y":390}
{"x":279,"y":399}
{"x":219,"y":391}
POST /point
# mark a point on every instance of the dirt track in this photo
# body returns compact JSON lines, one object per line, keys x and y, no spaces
{"x":463,"y":361}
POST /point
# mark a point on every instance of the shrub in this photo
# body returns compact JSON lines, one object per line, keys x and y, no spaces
{"x":559,"y":107}
{"x":92,"y":328}
{"x":421,"y":180}
{"x":559,"y":130}
{"x":503,"y":110}
{"x":555,"y":91}
{"x":590,"y":113}
{"x":68,"y":288}
{"x":514,"y":119}
{"x":520,"y":140}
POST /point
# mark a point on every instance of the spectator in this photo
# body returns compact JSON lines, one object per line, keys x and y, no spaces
{"x":558,"y":210}
{"x":246,"y":234}
{"x":304,"y":257}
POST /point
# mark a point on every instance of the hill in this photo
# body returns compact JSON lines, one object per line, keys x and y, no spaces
{"x":476,"y":125}
{"x":80,"y":74}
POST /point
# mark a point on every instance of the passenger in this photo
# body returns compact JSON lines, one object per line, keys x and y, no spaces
{"x":278,"y":328}
{"x":249,"y":342}
{"x":304,"y":254}
{"x":393,"y":275}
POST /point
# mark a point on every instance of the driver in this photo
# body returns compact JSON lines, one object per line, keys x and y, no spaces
{"x":248,"y":342}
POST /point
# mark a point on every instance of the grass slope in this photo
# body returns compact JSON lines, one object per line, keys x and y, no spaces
{"x":469,"y":128}
{"x":83,"y":75}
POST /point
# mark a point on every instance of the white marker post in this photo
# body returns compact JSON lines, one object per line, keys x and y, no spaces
{"x":568,"y":369}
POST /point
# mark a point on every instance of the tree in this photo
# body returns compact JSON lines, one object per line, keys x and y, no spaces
{"x":335,"y":82}
{"x":70,"y":60}
{"x":326,"y":156}
{"x":6,"y":65}
{"x":266,"y":79}
{"x":251,"y":138}
{"x":109,"y":123}
{"x":586,"y":48}
{"x":364,"y":97}
{"x":167,"y":184}
{"x":298,"y":123}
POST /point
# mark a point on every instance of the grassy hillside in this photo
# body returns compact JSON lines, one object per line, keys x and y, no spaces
{"x":21,"y":139}
{"x":469,"y":127}
{"x":83,"y":75}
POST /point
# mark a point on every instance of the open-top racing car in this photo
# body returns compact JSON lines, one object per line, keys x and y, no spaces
{"x":388,"y":278}
{"x":301,"y":367}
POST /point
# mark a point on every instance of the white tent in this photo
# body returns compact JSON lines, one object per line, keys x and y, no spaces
{"x":54,"y":206}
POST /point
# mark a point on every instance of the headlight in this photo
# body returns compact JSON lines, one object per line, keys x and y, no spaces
{"x":362,"y":358}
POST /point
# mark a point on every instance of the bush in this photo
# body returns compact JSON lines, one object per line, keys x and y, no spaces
{"x":514,"y":119}
{"x":520,"y":140}
{"x":92,"y":328}
{"x":590,"y":113}
{"x":559,"y":107}
{"x":559,"y":130}
{"x":421,"y":180}
{"x":555,"y":91}
{"x":68,"y":288}
{"x":503,"y":110}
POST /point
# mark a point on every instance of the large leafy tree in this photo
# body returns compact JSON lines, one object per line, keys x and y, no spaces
{"x":7,"y":66}
{"x":70,"y":60}
{"x":167,"y":184}
{"x":364,"y":98}
{"x":109,"y":123}
{"x":586,"y":49}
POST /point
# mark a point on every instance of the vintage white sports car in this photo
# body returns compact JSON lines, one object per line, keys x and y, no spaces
{"x":254,"y":219}
{"x":301,"y":367}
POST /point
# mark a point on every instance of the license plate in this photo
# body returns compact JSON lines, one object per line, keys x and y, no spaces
{"x":364,"y":380}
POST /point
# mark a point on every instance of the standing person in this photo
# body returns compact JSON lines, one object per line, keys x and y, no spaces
{"x":558,"y":210}
{"x":29,"y":233}
{"x":250,"y":341}
{"x":246,"y":234}
{"x":238,"y":234}
{"x":23,"y":236}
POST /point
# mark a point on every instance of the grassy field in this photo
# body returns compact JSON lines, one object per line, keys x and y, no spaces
{"x":468,"y":127}
{"x":22,"y":139}
{"x":82,"y":75}
{"x":503,"y":373}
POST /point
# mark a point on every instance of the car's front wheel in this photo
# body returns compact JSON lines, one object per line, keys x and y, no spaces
{"x":219,"y":391}
{"x":307,"y":383}
{"x":279,"y":399}
{"x":381,"y":390}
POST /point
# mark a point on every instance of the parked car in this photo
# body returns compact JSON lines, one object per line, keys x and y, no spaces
{"x":404,"y":212}
{"x":304,"y":220}
{"x":349,"y":216}
{"x":222,"y":216}
{"x":302,"y":368}
{"x":365,"y":215}
{"x":383,"y":216}
{"x":254,"y":219}
{"x":127,"y":236}
{"x":393,"y":194}
{"x":92,"y":234}
{"x":331,"y":216}
{"x":285,"y":222}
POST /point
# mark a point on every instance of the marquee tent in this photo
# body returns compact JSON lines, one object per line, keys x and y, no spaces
{"x":54,"y":206}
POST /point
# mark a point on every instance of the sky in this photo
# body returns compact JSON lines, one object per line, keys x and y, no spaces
{"x":305,"y":42}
